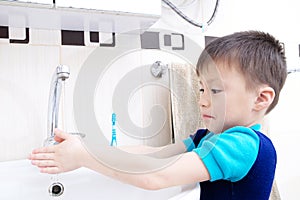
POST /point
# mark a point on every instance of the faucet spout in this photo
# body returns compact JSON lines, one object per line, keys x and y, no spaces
{"x":61,"y":73}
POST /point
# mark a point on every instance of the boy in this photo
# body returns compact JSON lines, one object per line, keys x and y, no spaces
{"x":241,"y":76}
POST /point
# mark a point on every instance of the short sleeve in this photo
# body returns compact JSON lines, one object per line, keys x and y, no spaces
{"x":189,"y":144}
{"x":193,"y":140}
{"x":229,"y":155}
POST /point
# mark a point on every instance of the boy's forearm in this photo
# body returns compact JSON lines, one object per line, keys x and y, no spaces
{"x":137,"y":180}
{"x":139,"y":169}
{"x":139,"y":149}
{"x":153,"y":177}
{"x":169,"y":150}
{"x":157,"y":152}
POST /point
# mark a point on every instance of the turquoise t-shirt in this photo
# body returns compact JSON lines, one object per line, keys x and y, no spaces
{"x":228,"y":155}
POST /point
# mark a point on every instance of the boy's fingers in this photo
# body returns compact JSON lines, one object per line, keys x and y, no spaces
{"x":43,"y":163}
{"x":49,"y":149}
{"x":41,"y":156}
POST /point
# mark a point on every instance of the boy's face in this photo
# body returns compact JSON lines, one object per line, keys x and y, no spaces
{"x":224,"y":101}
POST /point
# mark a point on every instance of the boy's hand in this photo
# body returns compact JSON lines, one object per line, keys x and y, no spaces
{"x":63,"y":157}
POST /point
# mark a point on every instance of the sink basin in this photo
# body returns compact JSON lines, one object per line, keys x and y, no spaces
{"x":22,"y":181}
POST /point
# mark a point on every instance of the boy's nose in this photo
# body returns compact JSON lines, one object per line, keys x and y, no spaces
{"x":204,"y":100}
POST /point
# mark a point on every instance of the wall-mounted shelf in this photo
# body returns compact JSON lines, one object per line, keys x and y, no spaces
{"x":50,"y":16}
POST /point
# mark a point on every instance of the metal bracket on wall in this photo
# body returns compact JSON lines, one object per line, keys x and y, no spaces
{"x":158,"y":69}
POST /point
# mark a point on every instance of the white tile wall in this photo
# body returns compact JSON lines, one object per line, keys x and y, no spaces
{"x":25,"y":74}
{"x":139,"y":104}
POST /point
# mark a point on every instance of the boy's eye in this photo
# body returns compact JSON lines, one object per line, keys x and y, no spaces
{"x":215,"y":91}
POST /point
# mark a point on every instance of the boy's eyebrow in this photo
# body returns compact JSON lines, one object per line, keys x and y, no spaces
{"x":210,"y":80}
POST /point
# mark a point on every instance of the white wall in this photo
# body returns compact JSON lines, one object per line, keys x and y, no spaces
{"x":280,"y":18}
{"x":284,"y":129}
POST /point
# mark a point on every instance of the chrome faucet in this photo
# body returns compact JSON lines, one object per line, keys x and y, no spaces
{"x":61,"y":73}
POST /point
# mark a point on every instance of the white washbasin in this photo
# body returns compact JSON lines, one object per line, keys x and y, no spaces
{"x":19,"y":180}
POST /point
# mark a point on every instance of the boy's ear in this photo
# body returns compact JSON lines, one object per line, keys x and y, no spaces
{"x":264,"y":98}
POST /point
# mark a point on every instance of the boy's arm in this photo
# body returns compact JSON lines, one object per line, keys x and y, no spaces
{"x":70,"y":154}
{"x":157,"y":152}
{"x":187,"y":169}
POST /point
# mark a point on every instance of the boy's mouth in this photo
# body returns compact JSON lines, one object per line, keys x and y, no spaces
{"x":204,"y":116}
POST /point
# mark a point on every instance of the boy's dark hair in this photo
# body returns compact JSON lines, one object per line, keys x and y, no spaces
{"x":257,"y":55}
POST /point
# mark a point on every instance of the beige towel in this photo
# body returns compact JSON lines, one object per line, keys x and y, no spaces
{"x":184,"y":100}
{"x":275,"y":192}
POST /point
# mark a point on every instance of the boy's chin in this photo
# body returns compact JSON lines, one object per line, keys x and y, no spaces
{"x":215,"y":129}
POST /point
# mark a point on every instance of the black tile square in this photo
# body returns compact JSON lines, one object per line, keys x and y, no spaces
{"x":94,"y":36}
{"x":4,"y":32}
{"x":167,"y":40}
{"x":150,"y":40}
{"x":69,"y":37}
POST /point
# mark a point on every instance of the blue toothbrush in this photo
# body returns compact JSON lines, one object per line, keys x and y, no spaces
{"x":113,"y":131}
